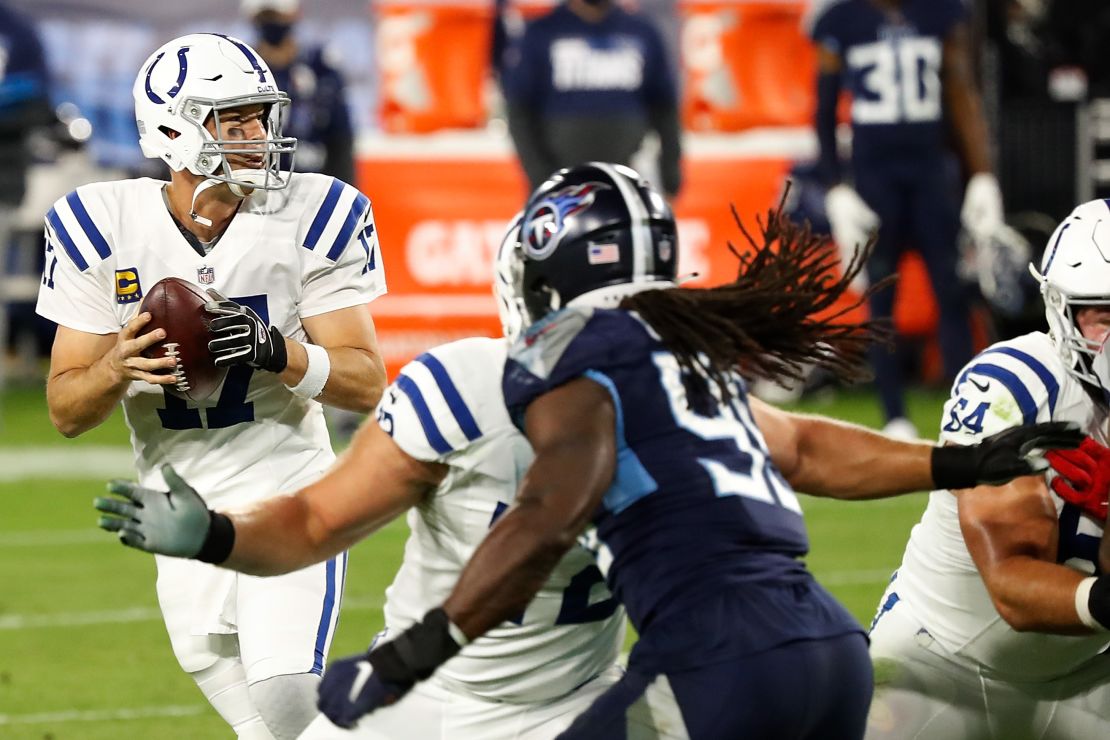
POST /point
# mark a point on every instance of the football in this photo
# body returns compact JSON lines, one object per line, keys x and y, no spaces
{"x":177,"y":306}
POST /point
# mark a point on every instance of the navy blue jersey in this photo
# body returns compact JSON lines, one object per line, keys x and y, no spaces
{"x":564,"y":66}
{"x":697,"y":506}
{"x":892,"y":63}
{"x":318,"y":115}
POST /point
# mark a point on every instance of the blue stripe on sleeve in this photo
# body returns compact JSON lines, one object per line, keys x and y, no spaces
{"x":1013,"y":384}
{"x":323,"y":215}
{"x":452,"y":396}
{"x":100,"y":244}
{"x":349,"y":226}
{"x":67,"y":241}
{"x":1050,"y":383}
{"x":325,"y":619}
{"x":427,"y":422}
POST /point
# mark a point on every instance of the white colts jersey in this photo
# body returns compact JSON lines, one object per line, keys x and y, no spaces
{"x":288,"y":254}
{"x":1016,"y":382}
{"x":446,"y":406}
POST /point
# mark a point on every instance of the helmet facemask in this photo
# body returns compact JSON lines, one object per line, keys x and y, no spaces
{"x":508,"y":283}
{"x":269,"y":175}
{"x":1075,"y":274}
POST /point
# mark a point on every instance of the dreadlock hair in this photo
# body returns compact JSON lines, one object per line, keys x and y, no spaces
{"x":762,"y":324}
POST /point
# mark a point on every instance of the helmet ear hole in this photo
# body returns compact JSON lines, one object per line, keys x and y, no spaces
{"x":169,"y":132}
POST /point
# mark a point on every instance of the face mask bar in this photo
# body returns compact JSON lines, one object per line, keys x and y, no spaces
{"x":1084,"y":358}
{"x":215,"y":151}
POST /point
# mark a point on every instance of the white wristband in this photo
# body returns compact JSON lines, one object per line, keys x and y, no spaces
{"x":315,"y":375}
{"x":1082,"y":604}
{"x":457,"y":634}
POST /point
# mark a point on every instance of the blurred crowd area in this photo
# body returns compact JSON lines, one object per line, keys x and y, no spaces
{"x":427,"y":68}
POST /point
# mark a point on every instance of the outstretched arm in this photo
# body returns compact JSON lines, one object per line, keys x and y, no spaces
{"x":373,"y":482}
{"x":825,"y":457}
{"x":573,"y":432}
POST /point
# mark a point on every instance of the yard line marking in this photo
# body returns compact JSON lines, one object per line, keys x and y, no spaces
{"x":104,"y":715}
{"x":56,"y":537}
{"x":65,"y":463}
{"x":11,"y":622}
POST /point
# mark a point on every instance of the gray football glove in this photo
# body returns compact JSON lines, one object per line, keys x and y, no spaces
{"x":173,"y":522}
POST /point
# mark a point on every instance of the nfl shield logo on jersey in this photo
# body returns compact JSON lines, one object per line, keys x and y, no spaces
{"x":206,"y":275}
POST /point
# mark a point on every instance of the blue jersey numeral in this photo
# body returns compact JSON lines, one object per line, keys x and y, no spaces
{"x":1076,"y":545}
{"x":575,"y":607}
{"x":232,"y":407}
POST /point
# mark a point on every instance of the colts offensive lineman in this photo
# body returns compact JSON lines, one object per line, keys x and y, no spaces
{"x":985,"y":630}
{"x":298,"y":258}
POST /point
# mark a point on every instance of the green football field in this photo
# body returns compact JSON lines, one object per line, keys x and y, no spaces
{"x":83,"y":653}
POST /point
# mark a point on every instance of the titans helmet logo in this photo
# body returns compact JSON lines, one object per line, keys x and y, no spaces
{"x":544,"y":224}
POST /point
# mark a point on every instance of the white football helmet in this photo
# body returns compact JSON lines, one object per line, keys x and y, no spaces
{"x":1075,"y":272}
{"x":199,"y":75}
{"x":508,"y":273}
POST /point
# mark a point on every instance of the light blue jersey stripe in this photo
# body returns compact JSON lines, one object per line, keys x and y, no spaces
{"x":320,"y":222}
{"x":451,"y":394}
{"x":423,"y":414}
{"x":100,"y":244}
{"x":349,"y":226}
{"x":632,"y":480}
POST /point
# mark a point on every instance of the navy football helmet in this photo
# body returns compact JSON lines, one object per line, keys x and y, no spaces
{"x":590,"y":235}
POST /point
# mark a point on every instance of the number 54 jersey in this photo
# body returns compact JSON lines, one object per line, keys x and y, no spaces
{"x":1016,"y":382}
{"x":288,"y":254}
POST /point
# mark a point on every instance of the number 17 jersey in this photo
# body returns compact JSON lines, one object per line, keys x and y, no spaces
{"x":288,"y":254}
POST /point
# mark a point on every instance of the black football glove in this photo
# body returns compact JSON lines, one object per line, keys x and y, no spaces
{"x":241,"y":337}
{"x":1002,"y":457}
{"x":355,"y":686}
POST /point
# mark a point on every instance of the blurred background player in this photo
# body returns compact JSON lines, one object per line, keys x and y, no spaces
{"x":318,"y":116}
{"x":24,"y":106}
{"x":908,"y":67}
{"x":587,"y":82}
{"x":298,"y":256}
{"x":989,"y":628}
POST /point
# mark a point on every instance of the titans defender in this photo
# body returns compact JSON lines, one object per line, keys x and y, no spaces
{"x":908,"y":68}
{"x":298,"y":256}
{"x":995,"y":625}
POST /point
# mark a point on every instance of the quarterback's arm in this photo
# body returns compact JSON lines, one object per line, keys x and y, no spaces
{"x":573,"y":432}
{"x":89,"y":373}
{"x":964,"y":103}
{"x":825,"y":457}
{"x":373,"y":482}
{"x":1012,"y":534}
{"x":357,"y":376}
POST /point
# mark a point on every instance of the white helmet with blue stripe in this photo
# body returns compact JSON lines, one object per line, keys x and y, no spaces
{"x":1075,"y":272}
{"x":199,"y":75}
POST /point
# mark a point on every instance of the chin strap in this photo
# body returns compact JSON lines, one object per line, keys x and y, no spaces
{"x":209,"y":183}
